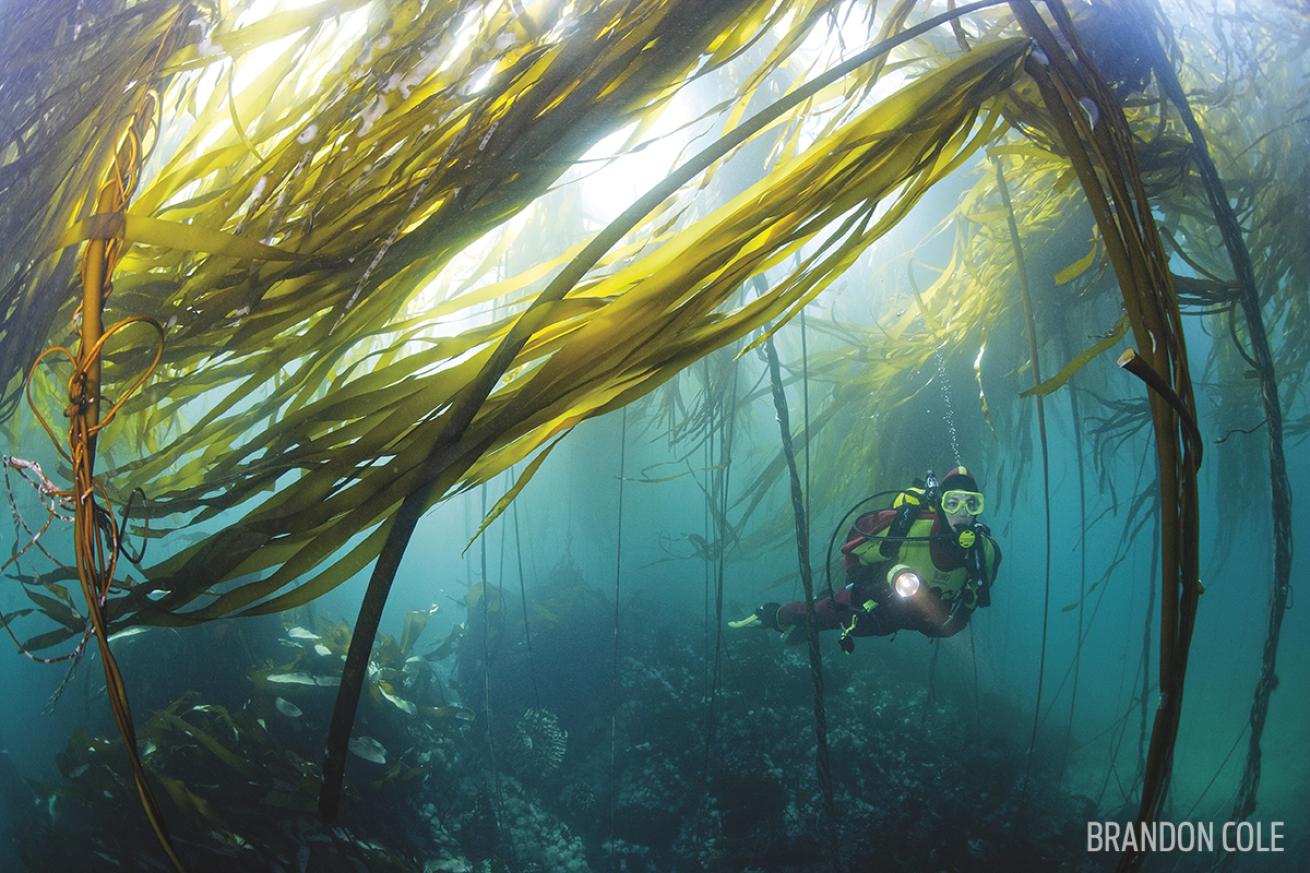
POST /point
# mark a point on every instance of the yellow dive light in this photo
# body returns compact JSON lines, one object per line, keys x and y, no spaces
{"x":903,"y":580}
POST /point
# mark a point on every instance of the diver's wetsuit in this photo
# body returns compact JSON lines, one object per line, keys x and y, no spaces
{"x":941,"y":609}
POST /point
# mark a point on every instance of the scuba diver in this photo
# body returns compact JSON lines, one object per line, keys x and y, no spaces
{"x":923,"y":564}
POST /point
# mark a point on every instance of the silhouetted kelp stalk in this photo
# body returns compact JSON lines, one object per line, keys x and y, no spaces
{"x":498,"y":800}
{"x":616,"y":686}
{"x":1146,"y":669}
{"x":1025,"y":293}
{"x":1076,"y":424}
{"x":1102,"y":155}
{"x":822,"y":763}
{"x":805,"y":410}
{"x":726,"y":417}
{"x":707,"y":532}
{"x":523,"y":600}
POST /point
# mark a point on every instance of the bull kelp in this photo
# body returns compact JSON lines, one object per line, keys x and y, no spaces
{"x":303,"y":277}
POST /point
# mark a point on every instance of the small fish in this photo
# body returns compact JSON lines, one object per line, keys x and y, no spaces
{"x":300,"y":633}
{"x":369,"y":749}
{"x":322,"y":650}
{"x":78,"y":771}
{"x":127,"y":633}
{"x":304,"y":679}
{"x":150,"y":749}
{"x":287,"y":708}
{"x":442,"y":713}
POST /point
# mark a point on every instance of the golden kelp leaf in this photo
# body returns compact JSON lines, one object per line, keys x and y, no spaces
{"x":416,"y":621}
{"x":1077,"y":268}
{"x":209,"y":743}
{"x":189,"y":802}
{"x":508,"y":497}
{"x":479,"y":590}
{"x":172,"y":235}
{"x":1079,"y":361}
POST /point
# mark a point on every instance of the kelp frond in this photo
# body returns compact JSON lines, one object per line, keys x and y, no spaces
{"x":614,"y":338}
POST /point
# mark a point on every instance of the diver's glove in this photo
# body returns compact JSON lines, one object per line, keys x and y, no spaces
{"x":765,"y":616}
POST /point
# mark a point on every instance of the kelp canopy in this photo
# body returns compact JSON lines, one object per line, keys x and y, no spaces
{"x":324,"y":205}
{"x":292,"y":242}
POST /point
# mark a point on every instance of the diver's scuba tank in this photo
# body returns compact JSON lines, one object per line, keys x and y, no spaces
{"x":924,"y":492}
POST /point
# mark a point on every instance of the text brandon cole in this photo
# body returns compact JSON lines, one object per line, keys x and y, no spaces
{"x":1185,"y":836}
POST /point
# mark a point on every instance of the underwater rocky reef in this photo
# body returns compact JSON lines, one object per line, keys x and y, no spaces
{"x":552,"y":776}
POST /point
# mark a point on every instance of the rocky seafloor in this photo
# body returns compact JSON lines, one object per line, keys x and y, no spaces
{"x":685,"y":774}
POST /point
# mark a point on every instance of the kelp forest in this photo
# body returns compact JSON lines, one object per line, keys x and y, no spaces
{"x":444,"y":436}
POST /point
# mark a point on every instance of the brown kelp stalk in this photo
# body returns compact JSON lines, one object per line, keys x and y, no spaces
{"x":616,"y":685}
{"x":803,"y":558}
{"x":1102,"y":156}
{"x":718,"y":495}
{"x":498,"y":801}
{"x":708,"y":414}
{"x":97,"y":541}
{"x":1076,"y":419}
{"x":1146,"y":673}
{"x":1021,"y":267}
{"x":1248,"y":298}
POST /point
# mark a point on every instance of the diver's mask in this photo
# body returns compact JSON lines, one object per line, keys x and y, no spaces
{"x":957,"y":501}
